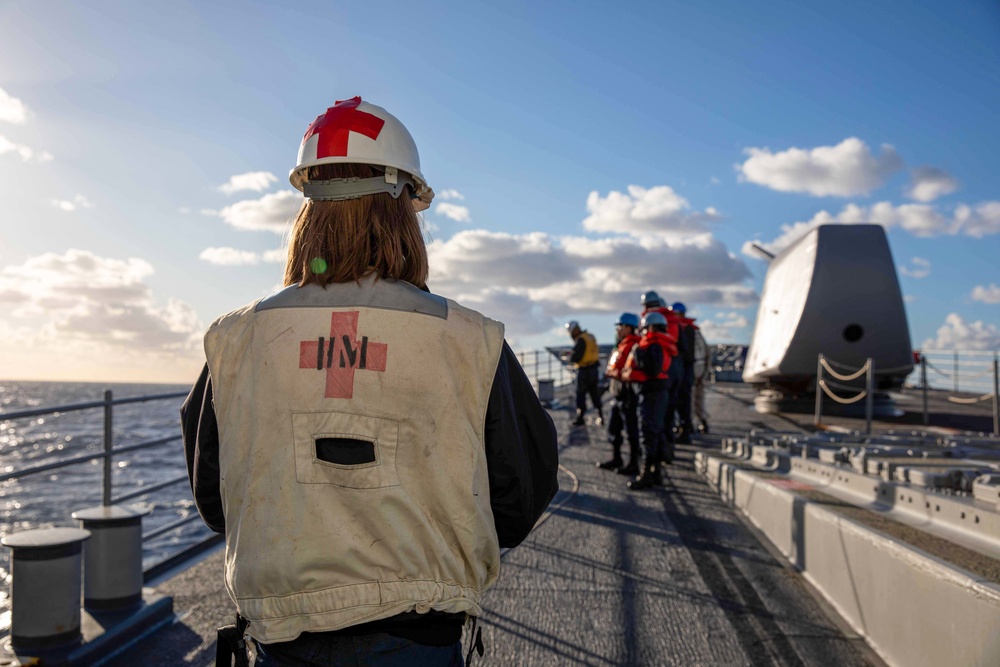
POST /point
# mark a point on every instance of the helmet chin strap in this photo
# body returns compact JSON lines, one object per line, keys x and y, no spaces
{"x":340,"y":189}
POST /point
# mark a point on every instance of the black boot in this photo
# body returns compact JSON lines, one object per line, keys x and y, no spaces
{"x":632,"y":469}
{"x":614,"y":464}
{"x":703,"y":428}
{"x":579,"y":419}
{"x":684,"y":437}
{"x":648,"y":478}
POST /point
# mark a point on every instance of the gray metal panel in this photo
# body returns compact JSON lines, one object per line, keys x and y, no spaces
{"x":371,"y":293}
{"x":853,"y":282}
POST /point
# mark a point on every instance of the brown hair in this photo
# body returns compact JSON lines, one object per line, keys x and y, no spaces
{"x":341,"y":241}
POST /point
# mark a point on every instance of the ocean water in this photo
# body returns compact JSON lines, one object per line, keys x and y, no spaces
{"x":47,"y":499}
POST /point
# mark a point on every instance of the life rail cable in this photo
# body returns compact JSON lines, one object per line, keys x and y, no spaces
{"x":970,"y":401}
{"x":844,"y":401}
{"x":843,"y":378}
{"x":960,"y":376}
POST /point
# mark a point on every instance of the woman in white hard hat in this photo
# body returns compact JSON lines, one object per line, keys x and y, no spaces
{"x":367,"y":447}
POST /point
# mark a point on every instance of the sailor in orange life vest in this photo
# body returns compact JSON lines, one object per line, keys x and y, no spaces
{"x":584,"y":356}
{"x":652,"y":303}
{"x":366,"y":446}
{"x":624,"y":400}
{"x":648,"y":364}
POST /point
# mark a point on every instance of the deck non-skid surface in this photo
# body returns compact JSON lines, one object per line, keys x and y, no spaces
{"x":668,"y":576}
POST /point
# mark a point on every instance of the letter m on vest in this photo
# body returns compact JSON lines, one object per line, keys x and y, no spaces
{"x":341,"y":354}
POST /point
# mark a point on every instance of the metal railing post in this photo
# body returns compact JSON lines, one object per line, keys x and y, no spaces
{"x":819,"y":389}
{"x":870,"y":396}
{"x":108,"y":425}
{"x":956,"y":371}
{"x":923,"y":383}
{"x":549,"y":355}
{"x":996,"y":395}
{"x":536,"y":366}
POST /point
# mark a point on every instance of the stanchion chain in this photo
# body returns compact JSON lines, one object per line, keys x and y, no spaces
{"x":961,"y":376}
{"x":845,"y":401}
{"x":843,"y":378}
{"x":970,"y":401}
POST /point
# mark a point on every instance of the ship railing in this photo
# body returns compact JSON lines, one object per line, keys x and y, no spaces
{"x":108,"y":454}
{"x":824,"y":365}
{"x":980,"y":372}
{"x":546,"y":364}
{"x":960,"y":371}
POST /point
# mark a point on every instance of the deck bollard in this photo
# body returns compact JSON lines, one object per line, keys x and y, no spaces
{"x":45,"y":590}
{"x":546,"y":391}
{"x":112,"y":558}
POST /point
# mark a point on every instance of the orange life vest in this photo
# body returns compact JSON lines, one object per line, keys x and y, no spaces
{"x":632,"y":373}
{"x":616,"y":362}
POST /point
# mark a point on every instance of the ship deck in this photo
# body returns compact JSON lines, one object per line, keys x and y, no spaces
{"x":671,"y":576}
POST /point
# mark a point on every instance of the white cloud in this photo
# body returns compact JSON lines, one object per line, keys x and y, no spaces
{"x":989,"y":294}
{"x":12,"y":110}
{"x":978,"y":221}
{"x":929,"y":183}
{"x":725,"y":328}
{"x":235,"y":257}
{"x":88,"y":302}
{"x":73,"y":204}
{"x":844,"y":170}
{"x":453,"y":211}
{"x":550,"y":278}
{"x":957,"y":334}
{"x":921,"y":220}
{"x":26,"y":153}
{"x":271,"y":212}
{"x":644,"y":211}
{"x":258,"y":181}
{"x":451,"y":193}
{"x":921,"y":268}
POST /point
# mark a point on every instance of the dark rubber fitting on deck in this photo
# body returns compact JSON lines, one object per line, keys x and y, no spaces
{"x":48,"y":552}
{"x":113,"y":604}
{"x":47,"y":642}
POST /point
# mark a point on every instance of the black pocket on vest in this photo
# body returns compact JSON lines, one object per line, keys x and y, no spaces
{"x":345,"y":451}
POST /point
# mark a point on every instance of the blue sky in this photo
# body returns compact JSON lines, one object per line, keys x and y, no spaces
{"x":591,"y":153}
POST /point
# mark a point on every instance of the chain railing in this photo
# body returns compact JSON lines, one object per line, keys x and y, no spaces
{"x":961,"y":372}
{"x":868,"y":393}
{"x":108,"y":454}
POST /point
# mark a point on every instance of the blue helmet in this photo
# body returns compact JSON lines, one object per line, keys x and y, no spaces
{"x":651,"y":299}
{"x":678,"y":308}
{"x":629,"y":320}
{"x":654,"y":319}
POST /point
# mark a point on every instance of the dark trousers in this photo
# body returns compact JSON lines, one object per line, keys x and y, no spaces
{"x":377,"y":650}
{"x":586,"y":383}
{"x":653,"y":412}
{"x":674,"y":375}
{"x":683,"y":408}
{"x":624,"y":414}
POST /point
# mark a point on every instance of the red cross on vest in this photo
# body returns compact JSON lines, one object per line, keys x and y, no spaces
{"x":342,"y":355}
{"x":335,"y":126}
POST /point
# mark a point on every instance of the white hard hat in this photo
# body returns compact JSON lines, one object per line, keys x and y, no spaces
{"x":356,"y":132}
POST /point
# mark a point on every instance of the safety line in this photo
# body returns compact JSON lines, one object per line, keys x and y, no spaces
{"x":845,"y":401}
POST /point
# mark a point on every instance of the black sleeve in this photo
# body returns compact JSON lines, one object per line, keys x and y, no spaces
{"x":201,"y":449}
{"x":578,"y":349}
{"x":521,"y":452}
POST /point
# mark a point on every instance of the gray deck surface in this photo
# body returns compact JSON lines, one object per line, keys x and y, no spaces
{"x":609,"y":577}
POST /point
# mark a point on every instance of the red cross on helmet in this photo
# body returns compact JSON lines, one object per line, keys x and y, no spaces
{"x":354,"y":131}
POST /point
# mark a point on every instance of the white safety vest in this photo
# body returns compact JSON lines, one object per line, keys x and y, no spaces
{"x":352,"y":459}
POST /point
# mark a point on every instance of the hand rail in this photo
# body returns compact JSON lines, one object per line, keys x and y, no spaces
{"x":108,"y":453}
